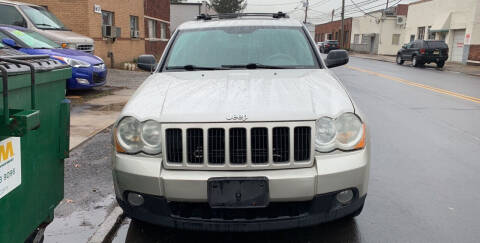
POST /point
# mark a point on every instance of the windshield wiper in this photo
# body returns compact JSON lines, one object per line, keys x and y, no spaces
{"x":42,"y":24}
{"x":254,"y":66}
{"x":193,"y":67}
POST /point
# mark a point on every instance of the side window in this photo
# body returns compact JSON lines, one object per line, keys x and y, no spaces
{"x":10,"y":15}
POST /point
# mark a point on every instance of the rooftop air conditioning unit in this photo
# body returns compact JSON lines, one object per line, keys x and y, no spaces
{"x":401,"y":20}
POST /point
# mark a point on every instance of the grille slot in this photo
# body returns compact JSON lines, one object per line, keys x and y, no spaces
{"x":302,"y":137}
{"x":259,"y":147}
{"x":195,"y":145}
{"x":238,"y":145}
{"x":216,"y":146}
{"x":281,"y":144}
{"x":174,"y":145}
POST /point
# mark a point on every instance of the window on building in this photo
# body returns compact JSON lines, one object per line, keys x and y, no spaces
{"x":163,"y":30}
{"x":10,"y":15}
{"x":421,"y":33}
{"x":152,"y":29}
{"x":107,"y":18}
{"x":134,"y":26}
{"x":356,"y":39}
{"x":412,"y":38}
{"x":395,"y":39}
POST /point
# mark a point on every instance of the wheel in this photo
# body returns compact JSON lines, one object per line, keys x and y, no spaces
{"x":400,"y":61}
{"x":440,"y":64}
{"x":415,"y":62}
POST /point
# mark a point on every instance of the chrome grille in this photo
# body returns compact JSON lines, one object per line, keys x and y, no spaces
{"x":85,"y":48}
{"x":226,"y":146}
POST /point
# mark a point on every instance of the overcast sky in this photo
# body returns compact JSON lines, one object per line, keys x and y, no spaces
{"x":319,"y":10}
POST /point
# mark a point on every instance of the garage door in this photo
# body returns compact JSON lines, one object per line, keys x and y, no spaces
{"x":457,"y":49}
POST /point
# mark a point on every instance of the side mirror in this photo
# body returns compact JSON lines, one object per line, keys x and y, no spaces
{"x":147,"y":62}
{"x":9,"y":42}
{"x":336,"y":58}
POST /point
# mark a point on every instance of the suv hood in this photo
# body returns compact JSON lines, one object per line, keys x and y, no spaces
{"x":62,"y":36}
{"x":261,"y":95}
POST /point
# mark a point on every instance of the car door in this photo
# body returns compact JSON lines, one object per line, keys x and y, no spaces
{"x":405,"y":51}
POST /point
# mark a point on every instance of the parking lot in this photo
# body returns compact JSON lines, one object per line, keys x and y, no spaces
{"x":423,"y":183}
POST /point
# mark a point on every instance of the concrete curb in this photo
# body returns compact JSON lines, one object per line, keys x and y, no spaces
{"x":106,"y":230}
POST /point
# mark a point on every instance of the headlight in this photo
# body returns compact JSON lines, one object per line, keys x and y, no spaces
{"x":71,"y":46}
{"x":151,"y":137}
{"x":349,"y":130}
{"x":73,"y":62}
{"x":128,"y":134}
{"x":132,"y":136}
{"x":346,"y":132}
{"x":325,"y":135}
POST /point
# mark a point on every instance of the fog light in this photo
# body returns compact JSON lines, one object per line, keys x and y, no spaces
{"x":82,"y":81}
{"x":135,"y":199}
{"x":345,"y":197}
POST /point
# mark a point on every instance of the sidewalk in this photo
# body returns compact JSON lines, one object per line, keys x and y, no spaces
{"x":449,"y":66}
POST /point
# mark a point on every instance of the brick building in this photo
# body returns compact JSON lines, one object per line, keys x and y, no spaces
{"x":143,"y":25}
{"x":332,"y":31}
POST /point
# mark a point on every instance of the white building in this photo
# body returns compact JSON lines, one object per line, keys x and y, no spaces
{"x":379,"y":32}
{"x":184,"y":11}
{"x":455,"y":21}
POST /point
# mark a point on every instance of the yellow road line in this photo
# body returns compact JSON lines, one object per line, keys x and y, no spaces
{"x":437,"y":90}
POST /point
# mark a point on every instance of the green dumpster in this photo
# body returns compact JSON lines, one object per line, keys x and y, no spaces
{"x":34,"y":135}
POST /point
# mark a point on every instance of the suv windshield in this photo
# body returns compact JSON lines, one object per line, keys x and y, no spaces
{"x":42,"y":18}
{"x":241,"y":47}
{"x":33,"y":39}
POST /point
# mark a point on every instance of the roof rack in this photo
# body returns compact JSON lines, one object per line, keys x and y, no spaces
{"x":277,"y":15}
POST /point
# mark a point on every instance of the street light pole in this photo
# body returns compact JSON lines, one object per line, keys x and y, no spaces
{"x":343,"y":20}
{"x":306,"y":11}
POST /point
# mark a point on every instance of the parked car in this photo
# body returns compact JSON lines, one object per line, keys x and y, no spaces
{"x":87,"y":70}
{"x":254,"y":133}
{"x":319,"y":45}
{"x":329,"y":45}
{"x":423,"y":51}
{"x":41,"y":20}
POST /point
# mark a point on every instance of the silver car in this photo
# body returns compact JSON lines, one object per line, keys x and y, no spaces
{"x":242,"y":127}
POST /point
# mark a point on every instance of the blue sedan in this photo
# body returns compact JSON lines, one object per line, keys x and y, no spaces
{"x":87,"y":70}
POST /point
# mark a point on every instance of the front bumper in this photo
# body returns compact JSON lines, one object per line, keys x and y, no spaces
{"x":93,"y":76}
{"x":277,"y":216}
{"x":331,"y":173}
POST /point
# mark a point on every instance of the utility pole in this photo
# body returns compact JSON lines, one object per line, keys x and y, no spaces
{"x":333,"y":14}
{"x":343,"y":20}
{"x":306,"y":11}
{"x":387,"y":5}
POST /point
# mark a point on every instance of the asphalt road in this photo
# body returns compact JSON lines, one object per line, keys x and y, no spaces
{"x":424,"y":183}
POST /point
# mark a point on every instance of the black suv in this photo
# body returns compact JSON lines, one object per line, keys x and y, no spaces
{"x":329,"y":45}
{"x":423,"y":51}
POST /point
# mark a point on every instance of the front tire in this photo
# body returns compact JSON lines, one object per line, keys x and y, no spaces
{"x":415,"y":61}
{"x":400,"y":61}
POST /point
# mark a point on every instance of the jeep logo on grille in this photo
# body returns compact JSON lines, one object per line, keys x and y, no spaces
{"x":236,"y":117}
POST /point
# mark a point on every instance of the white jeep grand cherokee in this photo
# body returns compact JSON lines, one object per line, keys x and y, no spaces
{"x":242,"y":127}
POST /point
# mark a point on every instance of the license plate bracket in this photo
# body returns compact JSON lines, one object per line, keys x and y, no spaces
{"x":226,"y":192}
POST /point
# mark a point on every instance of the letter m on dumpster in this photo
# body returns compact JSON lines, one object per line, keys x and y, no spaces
{"x":10,"y":165}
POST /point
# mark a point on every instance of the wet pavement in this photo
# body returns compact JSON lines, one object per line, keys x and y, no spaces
{"x":424,"y":172}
